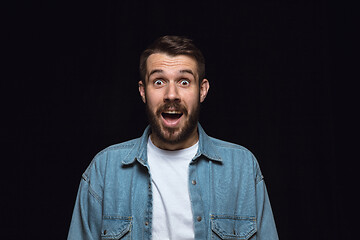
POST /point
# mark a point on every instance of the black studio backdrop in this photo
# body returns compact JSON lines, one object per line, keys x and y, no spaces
{"x":72,"y":91}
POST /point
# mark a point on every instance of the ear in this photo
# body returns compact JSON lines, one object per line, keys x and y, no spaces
{"x":204,"y":88}
{"x":142,"y":91}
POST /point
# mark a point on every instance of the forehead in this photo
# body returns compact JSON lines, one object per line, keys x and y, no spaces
{"x":166,"y":62}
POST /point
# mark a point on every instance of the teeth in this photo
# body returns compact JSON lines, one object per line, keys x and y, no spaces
{"x":172,"y":112}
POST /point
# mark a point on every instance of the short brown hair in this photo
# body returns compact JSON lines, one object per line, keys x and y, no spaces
{"x":173,"y":46}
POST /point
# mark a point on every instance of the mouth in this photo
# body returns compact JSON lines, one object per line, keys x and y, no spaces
{"x":171,"y":117}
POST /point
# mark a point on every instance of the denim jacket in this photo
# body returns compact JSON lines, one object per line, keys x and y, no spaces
{"x":227,"y":192}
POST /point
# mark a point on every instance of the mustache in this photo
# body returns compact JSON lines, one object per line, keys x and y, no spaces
{"x":172,"y":106}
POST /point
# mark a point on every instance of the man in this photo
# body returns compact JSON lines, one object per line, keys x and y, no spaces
{"x":174,"y":182}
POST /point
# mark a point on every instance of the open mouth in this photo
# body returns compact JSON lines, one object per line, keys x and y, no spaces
{"x":171,"y":117}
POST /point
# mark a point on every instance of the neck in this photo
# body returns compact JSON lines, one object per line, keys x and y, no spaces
{"x":186,"y":143}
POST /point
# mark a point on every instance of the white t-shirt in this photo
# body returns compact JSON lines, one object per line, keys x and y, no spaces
{"x":172,"y":214}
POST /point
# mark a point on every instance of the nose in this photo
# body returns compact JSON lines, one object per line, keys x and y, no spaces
{"x":171,"y":93}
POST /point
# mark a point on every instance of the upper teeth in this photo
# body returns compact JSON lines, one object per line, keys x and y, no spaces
{"x":172,"y":112}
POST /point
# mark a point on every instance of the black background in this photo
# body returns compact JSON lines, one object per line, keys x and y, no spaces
{"x":70,"y":90}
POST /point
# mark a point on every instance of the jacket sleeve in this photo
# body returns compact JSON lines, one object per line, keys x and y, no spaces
{"x":266,"y":229}
{"x":87,"y":214}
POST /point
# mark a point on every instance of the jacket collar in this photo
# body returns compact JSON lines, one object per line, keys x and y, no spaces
{"x":139,"y":150}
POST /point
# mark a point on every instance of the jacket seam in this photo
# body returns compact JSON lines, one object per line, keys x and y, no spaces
{"x":95,"y":195}
{"x":259,"y":179}
{"x":234,"y":217}
{"x":233,"y":146}
{"x":116,"y":147}
{"x":228,"y":145}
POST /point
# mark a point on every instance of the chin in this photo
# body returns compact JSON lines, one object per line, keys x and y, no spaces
{"x":171,"y":135}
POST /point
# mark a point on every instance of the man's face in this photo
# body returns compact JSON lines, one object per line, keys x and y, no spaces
{"x":172,"y":94}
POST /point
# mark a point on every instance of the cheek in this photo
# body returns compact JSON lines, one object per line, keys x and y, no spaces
{"x":153,"y":100}
{"x":192,"y":102}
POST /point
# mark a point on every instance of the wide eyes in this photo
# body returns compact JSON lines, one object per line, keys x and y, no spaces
{"x":182,"y":82}
{"x":158,"y":82}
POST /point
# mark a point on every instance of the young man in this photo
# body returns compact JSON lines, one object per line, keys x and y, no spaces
{"x":174,"y":182}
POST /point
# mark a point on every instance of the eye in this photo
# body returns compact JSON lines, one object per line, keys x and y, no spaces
{"x":184,"y":82}
{"x":158,"y":82}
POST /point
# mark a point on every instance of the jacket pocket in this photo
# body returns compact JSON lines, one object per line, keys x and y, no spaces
{"x":232,"y":227}
{"x":116,"y":228}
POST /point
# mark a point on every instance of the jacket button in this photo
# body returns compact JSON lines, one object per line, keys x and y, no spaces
{"x":193,"y":182}
{"x":146,"y":223}
{"x":198,"y":219}
{"x":105,"y":232}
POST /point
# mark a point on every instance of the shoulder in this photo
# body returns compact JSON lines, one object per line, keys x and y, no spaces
{"x":224,"y":146}
{"x":237,"y":156}
{"x":224,"y":150}
{"x":120,"y":148}
{"x":110,"y":157}
{"x":228,"y":145}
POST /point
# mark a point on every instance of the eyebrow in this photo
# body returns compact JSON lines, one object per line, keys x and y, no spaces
{"x":187,"y":71}
{"x":155,"y":71}
{"x":181,"y":71}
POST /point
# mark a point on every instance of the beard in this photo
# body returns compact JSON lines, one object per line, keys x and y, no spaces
{"x":173,"y":135}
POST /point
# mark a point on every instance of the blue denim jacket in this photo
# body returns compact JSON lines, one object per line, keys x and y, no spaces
{"x":227,"y":191}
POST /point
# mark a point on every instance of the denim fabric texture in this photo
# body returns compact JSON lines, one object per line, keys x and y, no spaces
{"x":227,"y":192}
